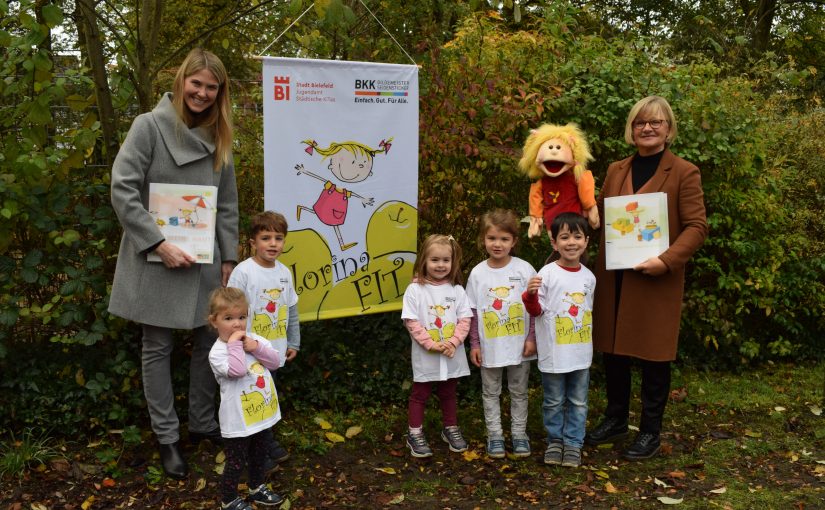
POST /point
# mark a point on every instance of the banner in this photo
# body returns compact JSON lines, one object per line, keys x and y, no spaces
{"x":341,"y":164}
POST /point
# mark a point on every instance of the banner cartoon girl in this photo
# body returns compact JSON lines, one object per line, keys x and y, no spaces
{"x":349,"y":162}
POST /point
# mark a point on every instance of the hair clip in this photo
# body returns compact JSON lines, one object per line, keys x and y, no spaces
{"x":450,"y":238}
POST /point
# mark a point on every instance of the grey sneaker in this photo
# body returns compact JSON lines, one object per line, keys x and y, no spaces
{"x":521,"y":447}
{"x":452,"y":436}
{"x":495,"y":448}
{"x":572,"y":457}
{"x":418,"y":445}
{"x":264,"y":496}
{"x":553,"y":453}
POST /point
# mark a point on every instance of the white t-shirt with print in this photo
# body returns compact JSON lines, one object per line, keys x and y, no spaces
{"x":270,"y":293}
{"x":564,"y":332}
{"x":503,"y":323}
{"x":437,"y":308}
{"x":249,"y":403}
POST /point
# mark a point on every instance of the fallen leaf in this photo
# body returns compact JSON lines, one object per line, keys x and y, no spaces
{"x":660,"y":483}
{"x":610,"y":488}
{"x":816,"y":410}
{"x":335,"y":438}
{"x":388,"y":470}
{"x":670,"y":501}
{"x":353,"y":431}
{"x":470,"y":455}
{"x":396,"y":500}
{"x":108,"y":482}
{"x":324,"y":424}
{"x":219,"y":468}
{"x":88,"y":503}
{"x":38,"y":506}
{"x":720,"y":490}
{"x":467,"y":480}
{"x":602,"y":474}
{"x":220,"y":458}
{"x":819,"y":470}
{"x":286,"y":505}
{"x":200,"y":484}
{"x":751,"y":433}
{"x":676,"y":474}
{"x":720,"y":434}
{"x":679,"y":394}
{"x":396,"y":453}
{"x":779,"y":409}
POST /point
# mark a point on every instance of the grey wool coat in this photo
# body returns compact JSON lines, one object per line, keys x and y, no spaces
{"x":160,"y":148}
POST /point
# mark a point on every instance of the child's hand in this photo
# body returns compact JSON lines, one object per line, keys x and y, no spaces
{"x":299,"y":168}
{"x":449,"y":349}
{"x":249,"y":344}
{"x":436,"y":347}
{"x":290,"y":354}
{"x":367,"y":201}
{"x":475,"y":356}
{"x":534,"y":284}
{"x":237,"y":336}
{"x":529,"y":349}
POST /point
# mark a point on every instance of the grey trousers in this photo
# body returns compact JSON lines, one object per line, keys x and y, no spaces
{"x":157,"y":383}
{"x":517,"y":378}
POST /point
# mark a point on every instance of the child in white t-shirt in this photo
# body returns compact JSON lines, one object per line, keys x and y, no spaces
{"x":249,"y":403}
{"x":268,"y":286}
{"x":561,"y":297}
{"x":501,"y":332}
{"x":437,"y":316}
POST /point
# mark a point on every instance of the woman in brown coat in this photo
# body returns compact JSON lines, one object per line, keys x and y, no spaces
{"x":637,"y":312}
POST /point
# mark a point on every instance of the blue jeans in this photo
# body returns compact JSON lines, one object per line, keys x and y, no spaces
{"x":565,"y":406}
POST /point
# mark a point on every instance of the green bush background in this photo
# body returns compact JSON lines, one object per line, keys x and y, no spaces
{"x":754,"y":291}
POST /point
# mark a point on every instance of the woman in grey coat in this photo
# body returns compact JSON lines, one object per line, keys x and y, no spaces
{"x":186,"y":139}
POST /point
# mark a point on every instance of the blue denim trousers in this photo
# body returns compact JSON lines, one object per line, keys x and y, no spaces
{"x":565,"y":406}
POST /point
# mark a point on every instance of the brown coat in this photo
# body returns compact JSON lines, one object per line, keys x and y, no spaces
{"x":646,"y":322}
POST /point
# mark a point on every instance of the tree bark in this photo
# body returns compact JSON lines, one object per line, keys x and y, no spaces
{"x":88,"y":28}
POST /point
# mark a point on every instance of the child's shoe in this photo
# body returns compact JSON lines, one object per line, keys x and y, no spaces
{"x":418,"y":445}
{"x":452,"y":436}
{"x":264,"y":496}
{"x":572,"y":457}
{"x":521,"y":447}
{"x":495,"y":448}
{"x":236,"y":504}
{"x":553,"y":453}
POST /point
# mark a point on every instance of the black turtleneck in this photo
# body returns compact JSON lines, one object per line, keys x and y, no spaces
{"x":643,"y":168}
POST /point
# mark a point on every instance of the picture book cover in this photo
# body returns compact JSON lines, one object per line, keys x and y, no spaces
{"x":636,"y":229}
{"x":185,"y":214}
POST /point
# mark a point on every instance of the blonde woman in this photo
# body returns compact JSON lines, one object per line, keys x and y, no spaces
{"x":186,"y":139}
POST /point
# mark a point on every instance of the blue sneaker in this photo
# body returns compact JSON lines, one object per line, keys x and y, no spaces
{"x":264,"y":496}
{"x":495,"y":448}
{"x":521,"y":447}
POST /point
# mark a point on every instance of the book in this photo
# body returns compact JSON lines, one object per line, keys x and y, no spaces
{"x":185,"y":214}
{"x":636,"y":229}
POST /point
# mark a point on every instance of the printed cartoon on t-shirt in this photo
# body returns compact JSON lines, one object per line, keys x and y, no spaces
{"x":270,"y":318}
{"x":574,"y":324}
{"x":502,"y":312}
{"x":260,"y":401}
{"x":439,"y":329}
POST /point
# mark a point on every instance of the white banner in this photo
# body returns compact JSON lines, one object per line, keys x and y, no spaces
{"x":341,"y":164}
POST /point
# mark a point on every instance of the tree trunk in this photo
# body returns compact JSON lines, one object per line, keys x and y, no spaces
{"x":764,"y":16}
{"x":93,"y":45}
{"x":149,"y":17}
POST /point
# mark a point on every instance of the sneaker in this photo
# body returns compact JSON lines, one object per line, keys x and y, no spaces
{"x":521,"y":447}
{"x":236,"y":504}
{"x":572,"y":457}
{"x":495,"y":448}
{"x":553,"y":453}
{"x":418,"y":445}
{"x":645,"y":446}
{"x":276,"y":452}
{"x":609,"y":430}
{"x":452,"y":436}
{"x":264,"y":496}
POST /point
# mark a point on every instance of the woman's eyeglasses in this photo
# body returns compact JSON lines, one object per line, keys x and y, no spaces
{"x":655,"y":123}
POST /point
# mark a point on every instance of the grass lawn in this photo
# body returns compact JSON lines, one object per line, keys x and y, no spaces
{"x":738,"y":441}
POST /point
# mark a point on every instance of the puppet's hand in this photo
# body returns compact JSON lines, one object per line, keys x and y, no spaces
{"x":299,"y":168}
{"x":367,"y":201}
{"x":593,"y":217}
{"x":535,"y":227}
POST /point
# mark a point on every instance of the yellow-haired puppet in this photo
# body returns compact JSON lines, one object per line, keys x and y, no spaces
{"x":556,"y":156}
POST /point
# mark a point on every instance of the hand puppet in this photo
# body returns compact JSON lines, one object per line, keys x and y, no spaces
{"x":556,"y":156}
